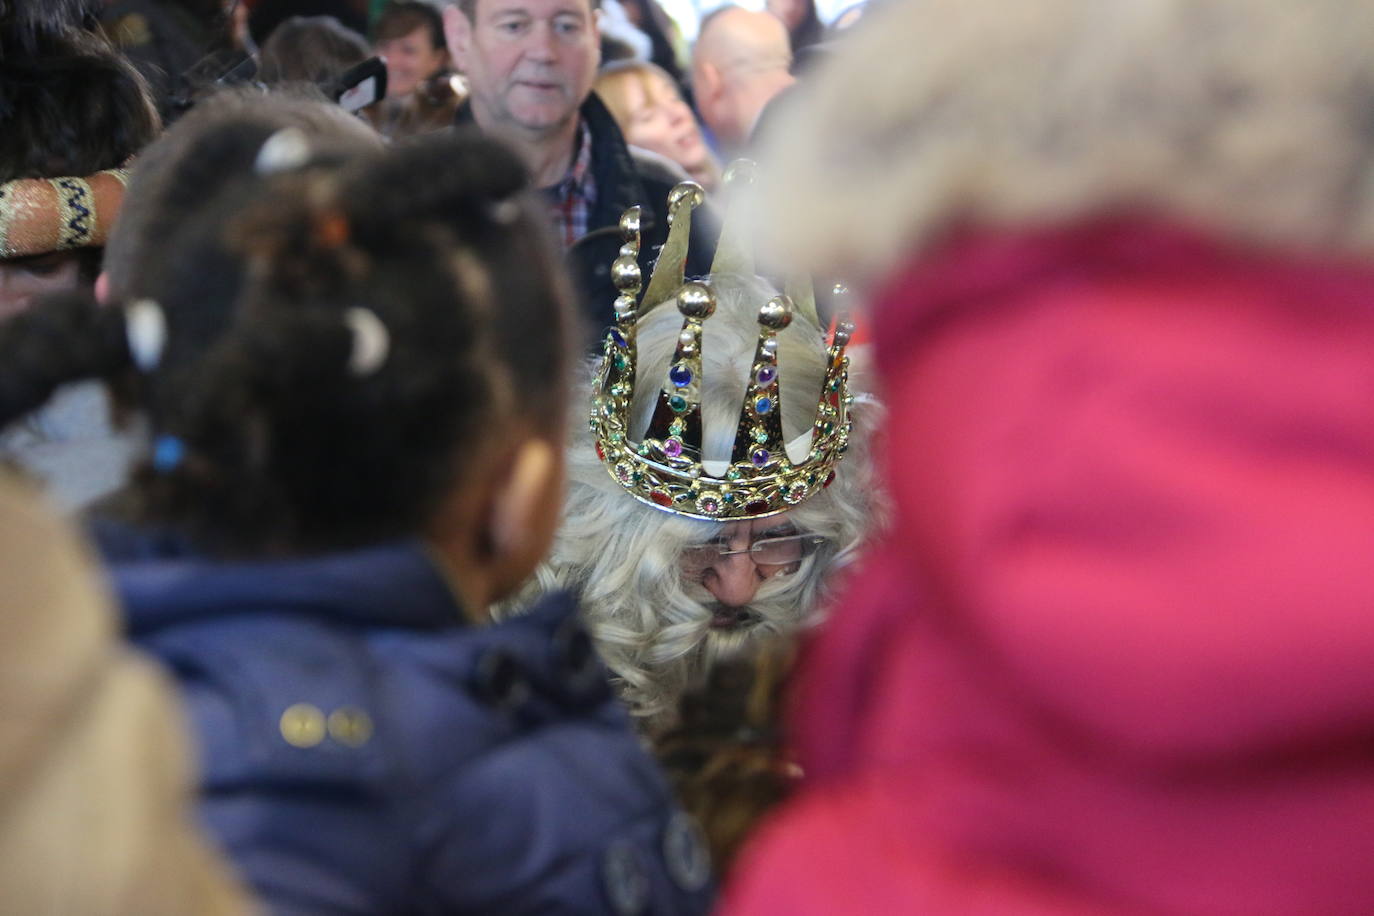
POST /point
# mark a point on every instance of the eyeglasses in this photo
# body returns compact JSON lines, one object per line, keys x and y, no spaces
{"x":778,"y":550}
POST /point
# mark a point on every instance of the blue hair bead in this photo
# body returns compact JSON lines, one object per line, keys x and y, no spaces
{"x":168,"y":452}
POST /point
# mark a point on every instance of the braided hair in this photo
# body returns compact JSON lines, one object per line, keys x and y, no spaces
{"x":284,"y":441}
{"x":215,"y":143}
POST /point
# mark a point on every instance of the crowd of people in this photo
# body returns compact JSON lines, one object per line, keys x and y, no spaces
{"x":490,"y":456}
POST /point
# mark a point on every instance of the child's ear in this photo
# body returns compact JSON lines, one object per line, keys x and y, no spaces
{"x":523,"y":512}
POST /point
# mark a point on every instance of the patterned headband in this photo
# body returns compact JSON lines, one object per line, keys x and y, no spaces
{"x":41,"y":215}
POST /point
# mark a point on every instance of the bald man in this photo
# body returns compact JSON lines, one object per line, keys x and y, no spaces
{"x":742,"y":59}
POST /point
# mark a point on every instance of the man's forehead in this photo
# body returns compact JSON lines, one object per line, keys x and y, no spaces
{"x":535,"y":8}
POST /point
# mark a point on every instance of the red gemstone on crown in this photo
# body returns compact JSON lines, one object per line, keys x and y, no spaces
{"x":661,"y":499}
{"x":756,"y":507}
{"x":599,"y":453}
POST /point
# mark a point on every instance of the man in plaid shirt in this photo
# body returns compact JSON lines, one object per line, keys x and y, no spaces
{"x":530,"y":65}
{"x":574,"y":195}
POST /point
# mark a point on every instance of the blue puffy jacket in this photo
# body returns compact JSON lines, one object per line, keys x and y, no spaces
{"x":366,"y":751}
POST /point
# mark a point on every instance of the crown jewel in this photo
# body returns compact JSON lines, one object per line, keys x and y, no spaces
{"x":666,"y":467}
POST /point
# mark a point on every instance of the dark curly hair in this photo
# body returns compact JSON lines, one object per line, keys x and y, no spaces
{"x":215,"y":143}
{"x":69,"y":105}
{"x":286,"y":449}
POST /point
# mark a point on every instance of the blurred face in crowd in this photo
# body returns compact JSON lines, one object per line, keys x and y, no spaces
{"x":742,"y":60}
{"x":22,"y":279}
{"x":653,"y":116}
{"x":791,"y":12}
{"x":410,"y":60}
{"x":529,"y":63}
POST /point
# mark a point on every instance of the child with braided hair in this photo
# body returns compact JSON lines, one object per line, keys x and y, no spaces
{"x":355,"y":375}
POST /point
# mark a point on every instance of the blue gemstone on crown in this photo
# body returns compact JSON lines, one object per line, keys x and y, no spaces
{"x":680,"y":376}
{"x":760,"y":457}
{"x":763,"y":405}
{"x":766,"y":375}
{"x":618,"y":337}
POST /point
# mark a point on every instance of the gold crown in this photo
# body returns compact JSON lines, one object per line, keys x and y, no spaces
{"x":666,"y":468}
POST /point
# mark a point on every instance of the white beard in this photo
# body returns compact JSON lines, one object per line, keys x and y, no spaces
{"x":776,"y":611}
{"x":660,"y":648}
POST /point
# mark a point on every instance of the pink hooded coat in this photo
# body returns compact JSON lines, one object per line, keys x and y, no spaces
{"x":1117,"y":654}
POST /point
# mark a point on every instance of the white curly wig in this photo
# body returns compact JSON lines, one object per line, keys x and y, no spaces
{"x":653,"y":627}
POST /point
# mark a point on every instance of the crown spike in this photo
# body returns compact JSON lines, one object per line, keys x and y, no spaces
{"x":669,"y":269}
{"x":618,"y":352}
{"x":673,"y":438}
{"x":625,"y":270}
{"x":758,"y":439}
{"x":831,"y":431}
{"x":734,"y":252}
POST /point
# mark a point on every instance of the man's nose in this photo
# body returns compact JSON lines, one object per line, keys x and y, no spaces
{"x":733,"y":581}
{"x":539,"y":44}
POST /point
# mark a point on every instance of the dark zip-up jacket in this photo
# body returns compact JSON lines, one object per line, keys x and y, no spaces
{"x":366,"y":751}
{"x":625,"y":176}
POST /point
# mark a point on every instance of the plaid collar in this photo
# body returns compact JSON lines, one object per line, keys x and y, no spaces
{"x":579,"y":178}
{"x":575,"y":194}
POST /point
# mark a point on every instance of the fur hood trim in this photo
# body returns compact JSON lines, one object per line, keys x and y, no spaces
{"x":1250,"y":118}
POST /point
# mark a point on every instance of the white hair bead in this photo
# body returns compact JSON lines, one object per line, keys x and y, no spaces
{"x":371,"y":341}
{"x":284,"y":151}
{"x":145,"y":328}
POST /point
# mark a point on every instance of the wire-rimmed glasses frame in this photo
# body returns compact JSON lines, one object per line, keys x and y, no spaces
{"x":780,"y":550}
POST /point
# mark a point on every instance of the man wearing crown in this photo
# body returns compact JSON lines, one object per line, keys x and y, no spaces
{"x":721,"y":481}
{"x":530,"y":65}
